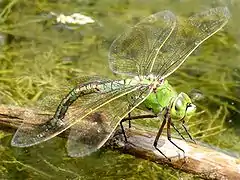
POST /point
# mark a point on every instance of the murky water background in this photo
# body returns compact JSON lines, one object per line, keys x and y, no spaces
{"x":40,"y":60}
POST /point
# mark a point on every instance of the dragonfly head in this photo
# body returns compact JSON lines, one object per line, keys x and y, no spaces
{"x":182,"y":107}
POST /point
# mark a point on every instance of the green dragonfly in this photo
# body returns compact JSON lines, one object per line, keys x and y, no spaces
{"x":148,"y":53}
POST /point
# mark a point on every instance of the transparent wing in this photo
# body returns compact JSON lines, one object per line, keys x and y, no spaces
{"x":89,"y":134}
{"x":186,"y":37}
{"x":134,"y":52}
{"x":160,"y":43}
{"x":28,"y":134}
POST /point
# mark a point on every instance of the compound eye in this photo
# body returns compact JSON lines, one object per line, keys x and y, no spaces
{"x":178,"y":104}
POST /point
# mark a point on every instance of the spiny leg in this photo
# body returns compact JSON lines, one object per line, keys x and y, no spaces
{"x":166,"y":117}
{"x":123,"y":131}
{"x":129,"y":121}
{"x":169,"y":135}
{"x":159,"y":134}
{"x":185,"y":128}
{"x":140,"y":117}
{"x":174,"y":127}
{"x":189,"y":135}
{"x":129,"y":118}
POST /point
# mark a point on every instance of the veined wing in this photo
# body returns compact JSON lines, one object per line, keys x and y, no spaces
{"x":89,"y":97}
{"x":186,"y":37}
{"x":160,"y":43}
{"x":134,"y":52}
{"x":91,"y":132}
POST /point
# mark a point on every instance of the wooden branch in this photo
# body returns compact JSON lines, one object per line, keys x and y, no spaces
{"x":200,"y":160}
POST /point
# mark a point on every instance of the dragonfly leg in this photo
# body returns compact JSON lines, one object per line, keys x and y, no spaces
{"x":174,"y":127}
{"x":169,"y":135}
{"x":139,"y":117}
{"x":129,"y":121}
{"x":185,"y":128}
{"x":123,"y":131}
{"x":129,"y":118}
{"x":159,"y":134}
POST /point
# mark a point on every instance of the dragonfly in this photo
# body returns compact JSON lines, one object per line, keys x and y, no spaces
{"x":147,"y":54}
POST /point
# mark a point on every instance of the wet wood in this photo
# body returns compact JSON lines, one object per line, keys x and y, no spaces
{"x":201,"y":160}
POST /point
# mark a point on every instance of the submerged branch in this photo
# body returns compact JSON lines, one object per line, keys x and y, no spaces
{"x":201,"y":160}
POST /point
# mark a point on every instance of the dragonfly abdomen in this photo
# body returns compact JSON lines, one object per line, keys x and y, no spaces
{"x":88,"y":88}
{"x":72,"y":96}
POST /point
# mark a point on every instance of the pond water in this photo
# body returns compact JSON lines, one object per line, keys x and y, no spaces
{"x":42,"y":57}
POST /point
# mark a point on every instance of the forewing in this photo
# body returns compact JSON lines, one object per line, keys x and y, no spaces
{"x":134,"y":52}
{"x":89,"y":134}
{"x":186,"y":37}
{"x":31,"y":134}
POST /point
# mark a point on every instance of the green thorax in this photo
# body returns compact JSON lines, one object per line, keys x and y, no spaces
{"x":160,"y":98}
